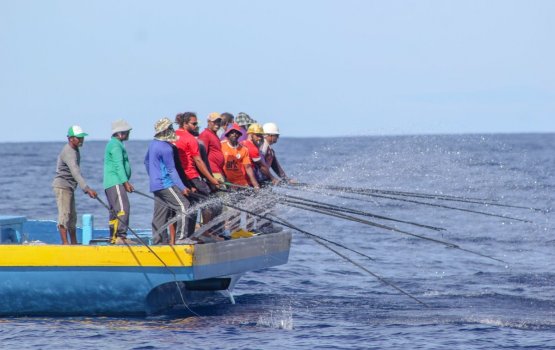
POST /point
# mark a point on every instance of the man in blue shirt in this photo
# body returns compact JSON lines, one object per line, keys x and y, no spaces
{"x":166,"y":185}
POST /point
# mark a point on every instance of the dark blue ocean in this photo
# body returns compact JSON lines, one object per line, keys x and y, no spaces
{"x":322,"y":301}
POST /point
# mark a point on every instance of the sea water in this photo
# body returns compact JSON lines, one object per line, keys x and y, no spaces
{"x":322,"y":301}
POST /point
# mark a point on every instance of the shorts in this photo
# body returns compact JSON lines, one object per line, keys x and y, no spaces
{"x":201,"y":186}
{"x":67,"y":214}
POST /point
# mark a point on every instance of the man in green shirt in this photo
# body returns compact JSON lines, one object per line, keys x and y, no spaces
{"x":117,"y":173}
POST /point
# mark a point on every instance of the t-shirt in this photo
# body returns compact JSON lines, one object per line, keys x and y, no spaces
{"x":160,"y":166}
{"x":235,"y":159}
{"x":116,"y":164}
{"x":187,"y":147}
{"x":254,"y":153}
{"x":68,"y":172}
{"x":268,"y":153}
{"x":214,"y":150}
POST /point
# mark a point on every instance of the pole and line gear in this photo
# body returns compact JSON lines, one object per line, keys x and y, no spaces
{"x":370,"y":223}
{"x":423,"y":203}
{"x":330,"y":212}
{"x":265,"y":217}
{"x":445,"y":197}
{"x":331,"y":207}
{"x":378,"y":277}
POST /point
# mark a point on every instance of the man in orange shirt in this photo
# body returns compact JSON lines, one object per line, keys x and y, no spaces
{"x":237,"y":164}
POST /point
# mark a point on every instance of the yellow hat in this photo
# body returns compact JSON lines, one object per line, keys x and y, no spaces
{"x":255,"y":129}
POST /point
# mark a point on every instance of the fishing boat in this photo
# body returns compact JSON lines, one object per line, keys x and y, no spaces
{"x":39,"y":277}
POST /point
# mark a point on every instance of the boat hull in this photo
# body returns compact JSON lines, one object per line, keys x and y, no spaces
{"x":128,"y":280}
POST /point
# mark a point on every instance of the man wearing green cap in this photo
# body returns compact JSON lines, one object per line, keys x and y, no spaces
{"x":68,"y":176}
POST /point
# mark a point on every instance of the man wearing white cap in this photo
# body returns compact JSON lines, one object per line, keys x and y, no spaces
{"x":117,"y":173}
{"x":68,"y":176}
{"x":271,"y":136}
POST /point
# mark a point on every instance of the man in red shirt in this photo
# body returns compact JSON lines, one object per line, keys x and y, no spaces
{"x":237,"y":164}
{"x":189,"y":155}
{"x":213,"y":145}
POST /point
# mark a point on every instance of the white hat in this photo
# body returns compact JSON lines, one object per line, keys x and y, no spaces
{"x":270,"y":129}
{"x":120,"y":125}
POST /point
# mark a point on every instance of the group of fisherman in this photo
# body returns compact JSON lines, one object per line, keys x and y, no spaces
{"x":185,"y":167}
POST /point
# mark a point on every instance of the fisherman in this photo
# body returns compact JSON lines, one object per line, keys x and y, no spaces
{"x":189,"y":155}
{"x":255,"y":137}
{"x":202,"y":150}
{"x":244,"y":121}
{"x":117,"y":172}
{"x":271,"y":135}
{"x":165,"y":183}
{"x":237,"y":164}
{"x":68,"y":176}
{"x":209,"y":137}
{"x":227,"y":122}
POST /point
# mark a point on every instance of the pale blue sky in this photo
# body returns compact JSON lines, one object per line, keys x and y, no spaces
{"x":317,"y":68}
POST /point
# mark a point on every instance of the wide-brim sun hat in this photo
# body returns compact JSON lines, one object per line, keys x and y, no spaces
{"x":164,"y":130}
{"x":234,"y":127}
{"x":76,"y":131}
{"x":243,"y":119}
{"x":120,"y":125}
{"x":162,"y":125}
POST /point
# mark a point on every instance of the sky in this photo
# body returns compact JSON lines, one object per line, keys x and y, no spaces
{"x":316,"y":68}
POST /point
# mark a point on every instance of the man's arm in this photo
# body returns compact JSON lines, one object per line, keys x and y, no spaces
{"x":204,"y":171}
{"x":250,"y":174}
{"x":266,"y":171}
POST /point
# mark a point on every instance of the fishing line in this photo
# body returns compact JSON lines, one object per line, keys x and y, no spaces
{"x":492,"y":202}
{"x":434,"y":205}
{"x":153,"y":252}
{"x":294,"y":228}
{"x":322,"y":205}
{"x":362,"y":221}
{"x":378,"y":277}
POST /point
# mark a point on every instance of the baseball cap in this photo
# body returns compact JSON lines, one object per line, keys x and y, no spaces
{"x":76,"y":131}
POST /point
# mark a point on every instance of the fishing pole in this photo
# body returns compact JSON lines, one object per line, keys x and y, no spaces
{"x":489,"y":202}
{"x":269,"y":219}
{"x":433,"y":205}
{"x":152,"y":251}
{"x":317,"y":239}
{"x":389,"y":228}
{"x":449,"y":207}
{"x":374,"y":190}
{"x":322,"y":205}
{"x":375,"y":275}
{"x":265,"y":217}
